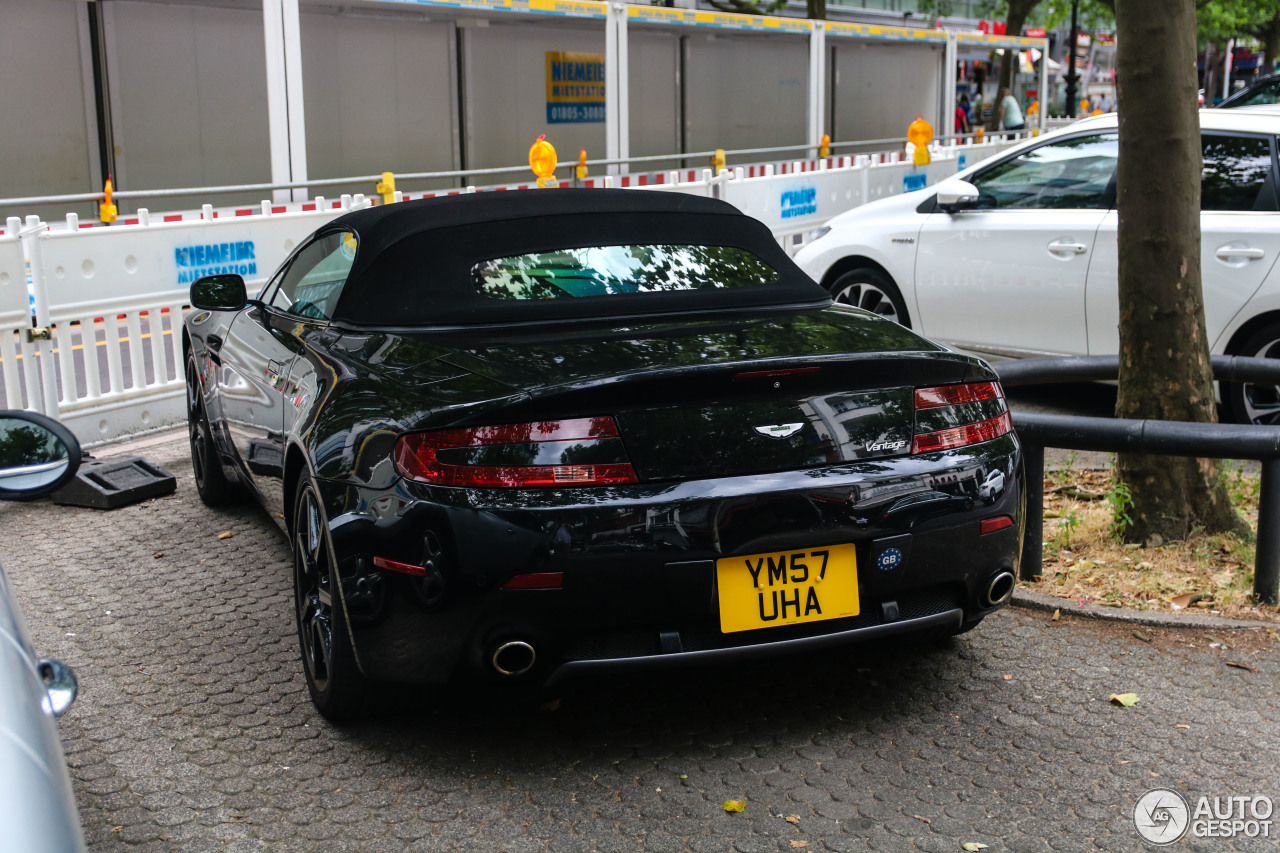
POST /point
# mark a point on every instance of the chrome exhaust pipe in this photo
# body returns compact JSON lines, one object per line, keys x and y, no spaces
{"x":514,"y":657}
{"x":999,"y":590}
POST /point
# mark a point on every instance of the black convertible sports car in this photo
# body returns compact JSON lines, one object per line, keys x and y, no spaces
{"x":521,"y":436}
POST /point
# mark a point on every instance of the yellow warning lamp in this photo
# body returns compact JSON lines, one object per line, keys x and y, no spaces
{"x":387,"y":187}
{"x":824,"y":147}
{"x":717,"y":161}
{"x":107,"y":211}
{"x":582,"y":164}
{"x":920,"y":134}
{"x":542,"y":159}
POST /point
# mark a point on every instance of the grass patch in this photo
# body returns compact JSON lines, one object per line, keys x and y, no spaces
{"x":1084,"y":560}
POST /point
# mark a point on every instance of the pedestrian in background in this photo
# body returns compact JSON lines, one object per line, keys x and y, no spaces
{"x":1009,"y":116}
{"x":962,"y":115}
{"x":975,"y":110}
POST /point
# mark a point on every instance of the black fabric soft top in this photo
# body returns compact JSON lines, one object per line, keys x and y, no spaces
{"x":414,"y":259}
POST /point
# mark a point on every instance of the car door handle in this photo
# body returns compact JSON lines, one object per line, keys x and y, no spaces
{"x":1077,"y":248}
{"x":1247,"y":254}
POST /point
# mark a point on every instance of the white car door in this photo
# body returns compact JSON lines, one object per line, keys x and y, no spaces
{"x":1239,"y":239}
{"x":1009,"y":277}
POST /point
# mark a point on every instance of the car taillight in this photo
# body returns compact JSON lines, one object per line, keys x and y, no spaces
{"x":950,"y":416}
{"x":574,"y":452}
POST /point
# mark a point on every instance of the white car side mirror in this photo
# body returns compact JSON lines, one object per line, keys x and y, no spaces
{"x":955,"y":194}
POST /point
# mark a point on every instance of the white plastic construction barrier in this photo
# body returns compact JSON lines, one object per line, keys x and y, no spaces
{"x":112,"y":297}
{"x":16,"y":352}
{"x":97,"y":288}
{"x":795,"y":203}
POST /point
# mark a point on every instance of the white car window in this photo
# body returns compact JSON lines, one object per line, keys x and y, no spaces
{"x":1068,"y":174}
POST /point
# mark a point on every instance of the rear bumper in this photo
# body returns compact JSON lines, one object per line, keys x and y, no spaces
{"x":948,"y":620}
{"x":637,"y":564}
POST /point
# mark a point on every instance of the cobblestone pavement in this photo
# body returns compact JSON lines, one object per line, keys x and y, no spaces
{"x":194,"y":731}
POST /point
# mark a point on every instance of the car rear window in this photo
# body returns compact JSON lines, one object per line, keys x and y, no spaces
{"x":619,"y":270}
{"x":576,"y":266}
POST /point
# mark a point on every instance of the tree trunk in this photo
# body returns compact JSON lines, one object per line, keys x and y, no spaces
{"x":1019,"y":11}
{"x":1164,"y":354}
{"x":1270,"y":44}
{"x":1210,"y":78}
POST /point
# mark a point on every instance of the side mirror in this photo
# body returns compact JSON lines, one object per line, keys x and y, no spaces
{"x":38,"y":455}
{"x":219,"y":293}
{"x":955,"y":195}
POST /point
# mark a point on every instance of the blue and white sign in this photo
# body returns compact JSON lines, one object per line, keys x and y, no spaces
{"x":910,"y":183}
{"x":798,"y":202}
{"x":215,"y":259}
{"x":889,"y":559}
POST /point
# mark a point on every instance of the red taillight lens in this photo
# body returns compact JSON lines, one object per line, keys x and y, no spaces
{"x":950,"y":416}
{"x":575,"y":452}
{"x":960,"y":436}
{"x":952,"y":395}
{"x":991,"y":525}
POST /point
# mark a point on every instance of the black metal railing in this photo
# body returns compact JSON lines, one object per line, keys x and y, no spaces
{"x":1170,"y":438}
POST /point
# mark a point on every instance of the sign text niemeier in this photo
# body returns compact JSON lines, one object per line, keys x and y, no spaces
{"x":215,"y":259}
{"x":575,"y":87}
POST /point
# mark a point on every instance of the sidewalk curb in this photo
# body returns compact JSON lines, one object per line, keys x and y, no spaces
{"x":1039,"y":601}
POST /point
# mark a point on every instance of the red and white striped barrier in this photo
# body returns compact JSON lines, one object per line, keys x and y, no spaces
{"x":90,"y":281}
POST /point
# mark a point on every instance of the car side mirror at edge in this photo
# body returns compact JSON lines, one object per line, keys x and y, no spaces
{"x":956,"y":195}
{"x":219,"y":293}
{"x":38,"y":455}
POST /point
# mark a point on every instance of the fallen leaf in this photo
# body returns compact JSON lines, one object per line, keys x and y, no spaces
{"x":157,"y":555}
{"x":921,"y":818}
{"x":1146,"y":638}
{"x":1124,"y":700}
{"x":1156,"y":775}
{"x":116,"y":828}
{"x":973,"y":845}
{"x":793,"y":818}
{"x":1122,"y":762}
{"x":225,"y":534}
{"x":1182,"y":726}
{"x":1057,"y":614}
{"x":684,"y":775}
{"x":1239,"y":665}
{"x":1185,"y":600}
{"x":796,"y":845}
{"x":735,"y":805}
{"x":1008,"y":677}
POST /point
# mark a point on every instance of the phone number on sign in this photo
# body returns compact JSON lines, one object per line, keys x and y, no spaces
{"x":570,"y":113}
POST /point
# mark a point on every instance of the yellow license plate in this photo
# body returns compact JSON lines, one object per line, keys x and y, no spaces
{"x":787,"y":587}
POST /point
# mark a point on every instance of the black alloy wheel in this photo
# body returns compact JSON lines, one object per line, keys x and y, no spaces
{"x":211,"y":482}
{"x":871,"y":290}
{"x":337,"y":687}
{"x":1245,"y":402}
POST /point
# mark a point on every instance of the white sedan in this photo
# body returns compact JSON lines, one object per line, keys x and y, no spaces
{"x":1016,"y":256}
